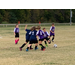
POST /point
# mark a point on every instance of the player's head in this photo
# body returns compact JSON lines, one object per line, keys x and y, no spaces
{"x":44,"y":29}
{"x":52,"y":24}
{"x":16,"y":26}
{"x":38,"y":27}
{"x":32,"y":28}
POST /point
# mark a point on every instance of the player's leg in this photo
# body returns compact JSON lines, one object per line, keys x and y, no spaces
{"x":15,"y":40}
{"x":36,"y":44}
{"x":30,"y":43}
{"x":53,"y":38}
{"x":23,"y":45}
{"x":40,"y":43}
{"x":48,"y":40}
{"x":17,"y":35}
{"x":31,"y":47}
{"x":45,"y":42}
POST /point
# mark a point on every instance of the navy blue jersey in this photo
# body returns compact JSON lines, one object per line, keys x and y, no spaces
{"x":27,"y":34}
{"x":33,"y":35}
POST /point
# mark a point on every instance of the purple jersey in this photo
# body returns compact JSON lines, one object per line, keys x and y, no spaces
{"x":46,"y":34}
{"x":40,"y":34}
{"x":16,"y":30}
{"x":52,"y":29}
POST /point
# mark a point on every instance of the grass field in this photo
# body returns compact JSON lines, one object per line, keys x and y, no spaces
{"x":63,"y":55}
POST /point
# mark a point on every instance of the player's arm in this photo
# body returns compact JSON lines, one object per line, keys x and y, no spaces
{"x":37,"y":33}
{"x":42,"y":33}
{"x":30,"y":33}
{"x":25,"y":27}
{"x":54,"y":31}
{"x":48,"y":34}
{"x":51,"y":30}
{"x":14,"y":31}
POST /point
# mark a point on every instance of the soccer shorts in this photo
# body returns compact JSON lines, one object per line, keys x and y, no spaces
{"x":41,"y":39}
{"x":27,"y":40}
{"x":52,"y":34}
{"x":46,"y":38}
{"x":16,"y":35}
{"x":33,"y":42}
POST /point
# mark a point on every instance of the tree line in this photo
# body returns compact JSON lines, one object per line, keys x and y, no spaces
{"x":36,"y":15}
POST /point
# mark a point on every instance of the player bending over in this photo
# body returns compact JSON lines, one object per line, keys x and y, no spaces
{"x":16,"y":33}
{"x":52,"y":32}
{"x":27,"y":38}
{"x":40,"y":34}
{"x":46,"y":37}
{"x":33,"y":38}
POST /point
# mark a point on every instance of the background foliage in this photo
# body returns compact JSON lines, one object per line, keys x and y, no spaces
{"x":35,"y":15}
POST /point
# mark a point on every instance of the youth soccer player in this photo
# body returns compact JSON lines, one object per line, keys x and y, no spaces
{"x":52,"y":32}
{"x":46,"y":37}
{"x":16,"y":33}
{"x":40,"y":34}
{"x":33,"y":38}
{"x":27,"y":38}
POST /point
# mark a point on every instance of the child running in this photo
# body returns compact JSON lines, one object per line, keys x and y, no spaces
{"x":40,"y":34}
{"x":52,"y":32}
{"x":27,"y":38}
{"x":33,"y":39}
{"x":46,"y":35}
{"x":16,"y":33}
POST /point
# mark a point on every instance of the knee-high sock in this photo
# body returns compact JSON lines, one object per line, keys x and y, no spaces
{"x":52,"y":38}
{"x":15,"y":41}
{"x":23,"y":45}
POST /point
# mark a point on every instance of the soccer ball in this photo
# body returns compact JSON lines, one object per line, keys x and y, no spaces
{"x":55,"y":46}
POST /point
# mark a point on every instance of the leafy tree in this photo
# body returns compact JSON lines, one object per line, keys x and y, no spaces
{"x":1,"y":18}
{"x":12,"y":18}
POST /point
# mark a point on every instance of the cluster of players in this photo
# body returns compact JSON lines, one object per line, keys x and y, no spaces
{"x":32,"y":34}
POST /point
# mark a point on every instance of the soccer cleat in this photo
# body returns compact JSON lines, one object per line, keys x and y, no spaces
{"x":36,"y":48}
{"x":20,"y":49}
{"x":15,"y":43}
{"x":26,"y":50}
{"x":43,"y":49}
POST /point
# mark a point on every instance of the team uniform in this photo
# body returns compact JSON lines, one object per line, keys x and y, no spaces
{"x":40,"y":34}
{"x":16,"y":30}
{"x":27,"y":39}
{"x":27,"y":35}
{"x":52,"y":29}
{"x":33,"y":38}
{"x":46,"y":36}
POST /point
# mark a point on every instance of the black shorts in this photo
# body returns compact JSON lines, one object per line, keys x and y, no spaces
{"x":27,"y":40}
{"x":41,"y":39}
{"x":16,"y":35}
{"x":33,"y":42}
{"x":46,"y":38}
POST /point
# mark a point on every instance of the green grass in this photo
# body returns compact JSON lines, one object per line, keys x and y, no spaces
{"x":64,"y":54}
